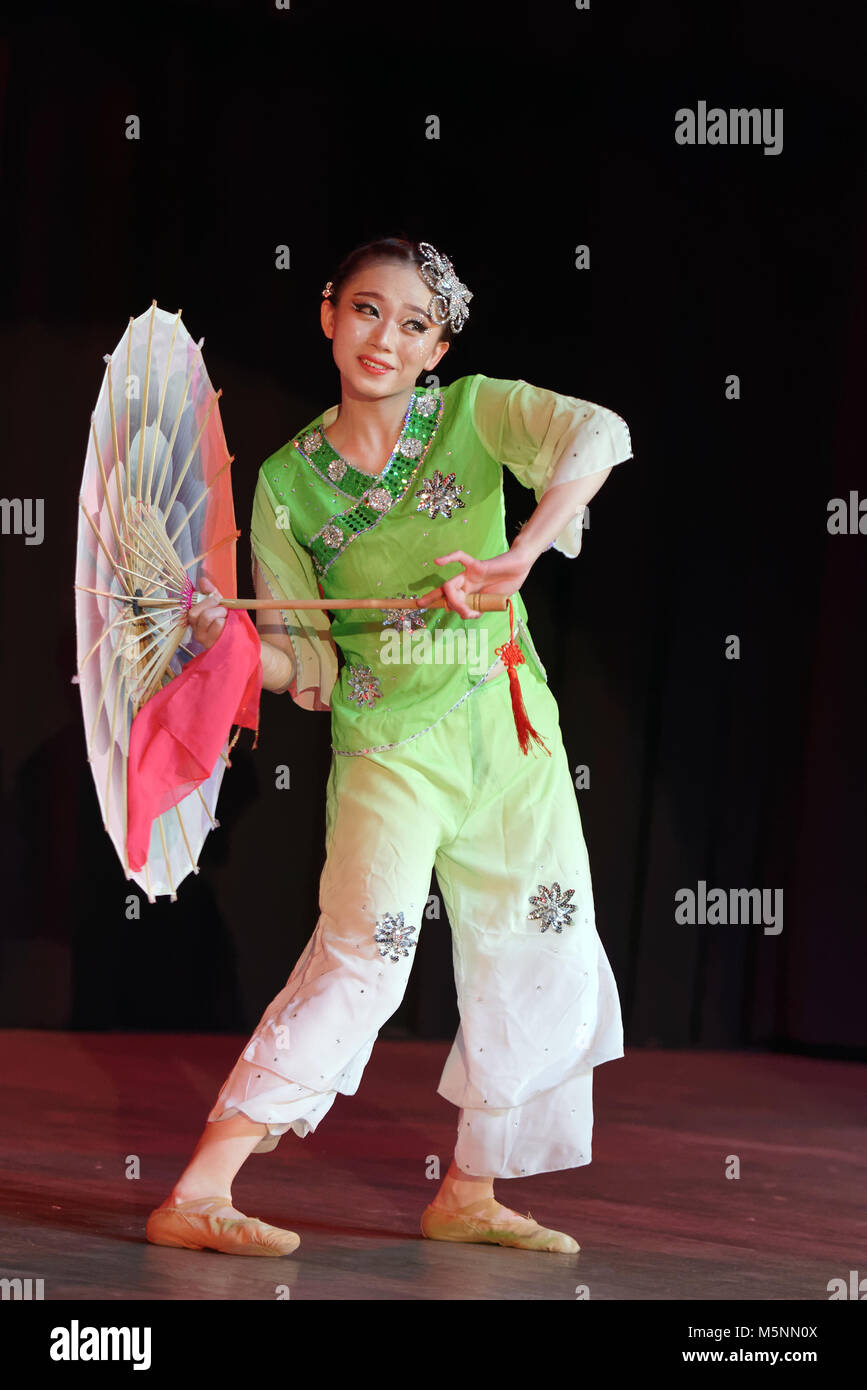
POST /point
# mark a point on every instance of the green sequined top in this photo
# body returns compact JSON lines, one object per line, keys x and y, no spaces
{"x":321,"y":527}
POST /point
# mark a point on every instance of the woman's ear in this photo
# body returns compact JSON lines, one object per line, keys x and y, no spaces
{"x":326,"y":317}
{"x":437,"y":354}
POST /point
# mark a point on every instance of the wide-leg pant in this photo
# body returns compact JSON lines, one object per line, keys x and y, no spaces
{"x":538,"y":1005}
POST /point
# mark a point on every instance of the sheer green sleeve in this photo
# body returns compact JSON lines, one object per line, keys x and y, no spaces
{"x":287,"y":570}
{"x":545,"y":438}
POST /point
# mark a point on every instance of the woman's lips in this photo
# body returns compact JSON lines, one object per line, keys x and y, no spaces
{"x":370,"y":366}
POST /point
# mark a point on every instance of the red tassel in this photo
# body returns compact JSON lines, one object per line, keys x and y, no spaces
{"x":512,"y":656}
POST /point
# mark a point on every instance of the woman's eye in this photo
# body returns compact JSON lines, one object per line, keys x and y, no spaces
{"x":415,"y":323}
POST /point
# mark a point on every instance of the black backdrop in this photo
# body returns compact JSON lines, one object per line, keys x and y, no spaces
{"x":306,"y":127}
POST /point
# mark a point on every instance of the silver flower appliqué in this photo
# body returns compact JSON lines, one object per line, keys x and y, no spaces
{"x":393,"y":935}
{"x":363,"y":685}
{"x":404,"y":619}
{"x":552,"y":908}
{"x":425,"y":405}
{"x":410,"y":447}
{"x":379,"y":498}
{"x":440,"y":494}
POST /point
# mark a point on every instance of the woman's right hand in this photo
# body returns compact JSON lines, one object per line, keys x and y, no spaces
{"x":207,"y":618}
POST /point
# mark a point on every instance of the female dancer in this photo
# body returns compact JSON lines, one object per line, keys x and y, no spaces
{"x":431,"y":761}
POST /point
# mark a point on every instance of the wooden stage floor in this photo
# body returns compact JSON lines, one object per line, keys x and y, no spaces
{"x":654,"y":1212}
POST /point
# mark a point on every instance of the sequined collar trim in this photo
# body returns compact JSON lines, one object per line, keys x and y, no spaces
{"x":333,"y":468}
{"x":371,"y":495}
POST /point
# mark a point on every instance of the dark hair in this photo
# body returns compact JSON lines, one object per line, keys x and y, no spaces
{"x":386,"y":248}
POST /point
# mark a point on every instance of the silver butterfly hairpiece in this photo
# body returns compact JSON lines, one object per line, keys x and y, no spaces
{"x":451,"y":298}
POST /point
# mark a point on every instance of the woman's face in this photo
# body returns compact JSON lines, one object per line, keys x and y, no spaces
{"x":382,"y":314}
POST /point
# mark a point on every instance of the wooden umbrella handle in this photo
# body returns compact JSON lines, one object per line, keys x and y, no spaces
{"x":480,"y":603}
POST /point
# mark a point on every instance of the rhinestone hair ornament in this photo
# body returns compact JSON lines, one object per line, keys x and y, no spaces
{"x":451,"y":296}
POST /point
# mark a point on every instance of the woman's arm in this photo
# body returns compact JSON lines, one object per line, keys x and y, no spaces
{"x":283,"y":569}
{"x":555,"y":508}
{"x":506,"y":573}
{"x":278,"y":667}
{"x":208,"y":618}
{"x":277,"y":656}
{"x":560,"y":446}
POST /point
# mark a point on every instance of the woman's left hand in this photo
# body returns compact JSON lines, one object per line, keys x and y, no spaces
{"x":504,"y":574}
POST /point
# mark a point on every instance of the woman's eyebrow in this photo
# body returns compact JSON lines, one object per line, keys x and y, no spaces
{"x":371,"y":294}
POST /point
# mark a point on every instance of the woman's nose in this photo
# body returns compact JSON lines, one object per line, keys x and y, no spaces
{"x":384,"y":332}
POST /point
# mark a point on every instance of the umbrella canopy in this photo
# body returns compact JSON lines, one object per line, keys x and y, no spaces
{"x":155,"y":507}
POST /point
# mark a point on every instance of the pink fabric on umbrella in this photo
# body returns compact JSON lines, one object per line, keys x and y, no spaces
{"x":177,"y":736}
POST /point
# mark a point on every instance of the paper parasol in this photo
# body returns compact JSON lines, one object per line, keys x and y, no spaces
{"x":156,"y":501}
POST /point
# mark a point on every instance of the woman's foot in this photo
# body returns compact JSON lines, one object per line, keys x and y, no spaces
{"x":212,"y":1223}
{"x":488,"y":1222}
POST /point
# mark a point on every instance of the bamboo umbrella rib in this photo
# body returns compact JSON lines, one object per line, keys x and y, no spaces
{"x":186,"y":521}
{"x":126,"y":393}
{"x":111,"y":752}
{"x":155,"y":534}
{"x":162,"y":402}
{"x":169,"y":565}
{"x":147,"y":636}
{"x":205,"y":804}
{"x":174,"y":434}
{"x":115,"y":657}
{"x":148,"y":889}
{"x":146,"y":578}
{"x":152,"y":524}
{"x":161,"y":656}
{"x":171,"y":595}
{"x":193,"y":864}
{"x":115,"y":622}
{"x":131,"y":708}
{"x":102,"y":544}
{"x":104,"y":576}
{"x":188,"y":460}
{"x":170,"y":598}
{"x":119,"y":598}
{"x":121,"y":510}
{"x":149,"y":536}
{"x":144,"y":403}
{"x":124,"y":793}
{"x":164,"y":672}
{"x":127,"y":601}
{"x":118,"y":568}
{"x":104,"y":593}
{"x":125,"y":679}
{"x":151,"y":648}
{"x":113,"y":593}
{"x":106,"y":497}
{"x":217,"y":545}
{"x":146,"y":560}
{"x":166,"y":857}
